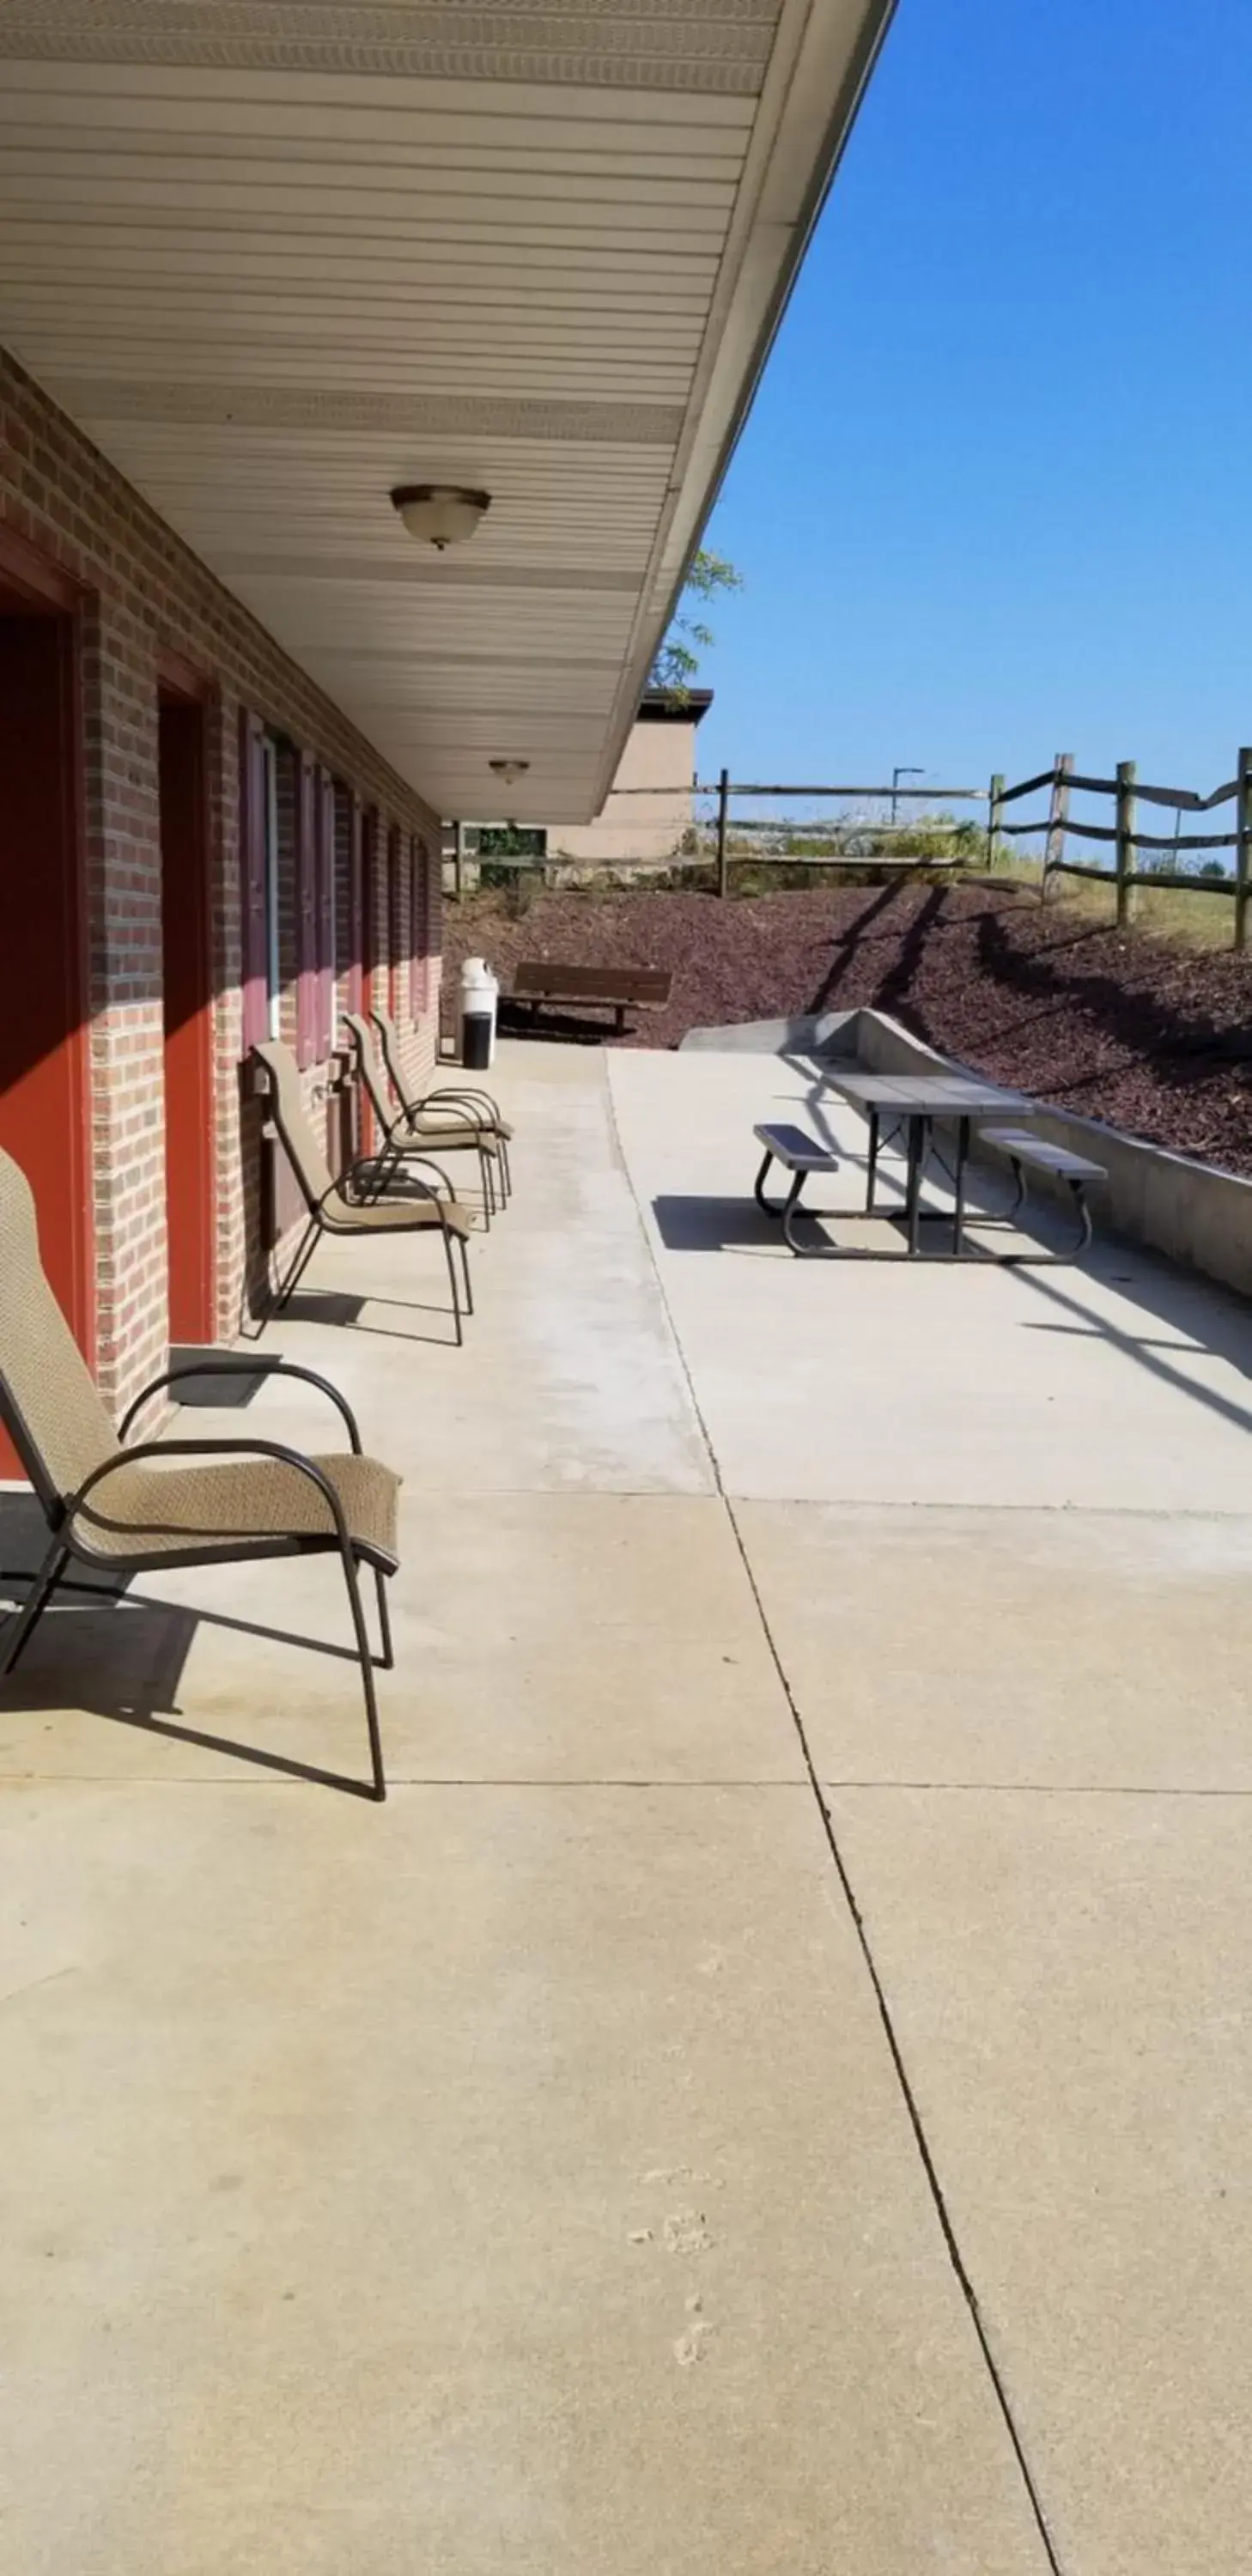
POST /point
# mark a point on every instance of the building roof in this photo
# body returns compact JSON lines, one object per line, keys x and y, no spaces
{"x":659,"y":706}
{"x":276,"y":260}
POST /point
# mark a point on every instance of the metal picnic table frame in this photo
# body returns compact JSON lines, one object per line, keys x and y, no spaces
{"x":917,"y":1102}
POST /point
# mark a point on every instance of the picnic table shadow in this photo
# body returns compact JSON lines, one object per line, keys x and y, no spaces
{"x":105,"y":1648}
{"x":694,"y":1224}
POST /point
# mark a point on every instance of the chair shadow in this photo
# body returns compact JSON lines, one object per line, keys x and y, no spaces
{"x":121,"y":1655}
{"x":332,"y":1306}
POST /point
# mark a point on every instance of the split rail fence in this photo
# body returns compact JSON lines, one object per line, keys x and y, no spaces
{"x":1061,"y":782}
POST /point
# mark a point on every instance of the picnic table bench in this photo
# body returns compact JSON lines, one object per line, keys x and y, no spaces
{"x":1036,"y":1154}
{"x":620,"y":988}
{"x":798,"y":1154}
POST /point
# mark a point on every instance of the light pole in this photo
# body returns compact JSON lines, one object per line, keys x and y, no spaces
{"x":897,"y":774}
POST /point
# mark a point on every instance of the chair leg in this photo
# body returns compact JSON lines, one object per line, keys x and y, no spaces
{"x":366,"y":1662}
{"x":304,"y":1254}
{"x":469,"y":1291}
{"x":506,"y":1167}
{"x":450,"y":1258}
{"x":484,"y":1180}
{"x":387,"y":1657}
{"x":21,"y":1627}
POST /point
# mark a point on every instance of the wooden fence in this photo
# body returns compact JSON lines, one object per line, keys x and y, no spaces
{"x":1061,"y":782}
{"x":1128,"y":791}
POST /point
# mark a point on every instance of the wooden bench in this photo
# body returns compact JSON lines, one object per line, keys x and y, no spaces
{"x":1027,"y":1153}
{"x":620,"y":988}
{"x":798,"y":1154}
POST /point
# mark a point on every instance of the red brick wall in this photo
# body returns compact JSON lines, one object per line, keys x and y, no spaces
{"x":146,"y":594}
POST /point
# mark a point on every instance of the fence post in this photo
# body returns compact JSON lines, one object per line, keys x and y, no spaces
{"x":995,"y":813}
{"x":723,"y":864}
{"x":1127,"y":773}
{"x":1243,"y":846}
{"x":1058,"y":816}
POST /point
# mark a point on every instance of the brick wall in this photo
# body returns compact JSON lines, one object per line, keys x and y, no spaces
{"x":144,"y":594}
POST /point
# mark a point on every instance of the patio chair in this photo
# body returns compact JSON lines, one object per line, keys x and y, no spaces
{"x":112,"y":1507}
{"x":477,"y":1107}
{"x":401,"y":1145}
{"x":332,"y":1210}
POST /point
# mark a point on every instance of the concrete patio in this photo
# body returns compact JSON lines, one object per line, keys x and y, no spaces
{"x":769,"y":2091}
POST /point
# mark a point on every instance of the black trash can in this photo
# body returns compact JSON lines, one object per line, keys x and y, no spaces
{"x":476,"y":1040}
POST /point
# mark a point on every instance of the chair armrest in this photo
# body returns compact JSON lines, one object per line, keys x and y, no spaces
{"x":215,"y":1449}
{"x":481,"y":1106}
{"x":264,"y":1365}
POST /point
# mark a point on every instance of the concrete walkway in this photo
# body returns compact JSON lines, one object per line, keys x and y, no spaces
{"x":591,"y":2161}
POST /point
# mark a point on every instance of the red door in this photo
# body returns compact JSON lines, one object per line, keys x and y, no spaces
{"x":43,"y":974}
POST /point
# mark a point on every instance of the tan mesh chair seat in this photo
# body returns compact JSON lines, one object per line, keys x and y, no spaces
{"x":154,"y":1510}
{"x":453,"y":1137}
{"x":393,"y":1216}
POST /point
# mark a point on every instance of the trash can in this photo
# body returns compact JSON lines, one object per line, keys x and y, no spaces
{"x":479,"y":991}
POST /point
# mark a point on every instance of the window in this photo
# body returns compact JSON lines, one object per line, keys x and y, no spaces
{"x":507,"y":840}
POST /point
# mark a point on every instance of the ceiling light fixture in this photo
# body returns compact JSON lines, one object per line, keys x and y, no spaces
{"x":509,"y":770}
{"x":439,"y":514}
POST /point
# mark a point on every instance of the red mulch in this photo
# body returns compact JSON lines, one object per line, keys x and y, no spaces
{"x":1153,"y":1037}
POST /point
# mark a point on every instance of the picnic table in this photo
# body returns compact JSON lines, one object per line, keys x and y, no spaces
{"x":918,"y":1102}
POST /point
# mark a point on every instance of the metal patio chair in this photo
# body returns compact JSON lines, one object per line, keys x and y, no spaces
{"x":330,"y":1208}
{"x":401,"y":1145}
{"x":130,"y":1511}
{"x":422,"y":1110}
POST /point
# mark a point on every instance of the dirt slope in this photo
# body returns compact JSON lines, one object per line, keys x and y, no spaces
{"x":1154,"y":1037}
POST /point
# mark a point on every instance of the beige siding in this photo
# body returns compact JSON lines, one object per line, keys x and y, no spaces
{"x":634,"y":825}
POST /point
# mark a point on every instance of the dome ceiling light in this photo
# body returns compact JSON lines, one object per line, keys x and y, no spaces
{"x":508,"y":770}
{"x":439,"y":514}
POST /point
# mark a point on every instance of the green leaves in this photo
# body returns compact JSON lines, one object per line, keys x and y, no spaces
{"x":678,"y":659}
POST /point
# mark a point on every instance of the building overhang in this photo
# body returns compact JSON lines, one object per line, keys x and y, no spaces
{"x":279,"y":259}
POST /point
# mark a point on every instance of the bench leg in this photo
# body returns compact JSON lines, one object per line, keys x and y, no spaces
{"x":758,"y":1189}
{"x":1048,"y":1260}
{"x":791,"y":1209}
{"x":1083,"y":1214}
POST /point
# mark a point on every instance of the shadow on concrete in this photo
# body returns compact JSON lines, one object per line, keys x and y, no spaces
{"x":332,"y":1306}
{"x":715,"y":1225}
{"x":556,"y":1028}
{"x":107,"y":1651}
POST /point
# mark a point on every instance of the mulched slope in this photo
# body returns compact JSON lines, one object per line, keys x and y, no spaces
{"x":1155,"y":1038}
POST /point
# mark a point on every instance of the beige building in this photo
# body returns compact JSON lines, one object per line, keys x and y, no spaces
{"x":649,"y":807}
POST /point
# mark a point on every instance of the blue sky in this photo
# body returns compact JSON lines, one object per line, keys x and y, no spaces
{"x":995,"y":497}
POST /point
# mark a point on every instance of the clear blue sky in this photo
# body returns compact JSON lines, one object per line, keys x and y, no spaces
{"x":995,"y":497}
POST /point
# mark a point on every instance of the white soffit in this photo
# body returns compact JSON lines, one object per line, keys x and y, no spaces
{"x":275,"y":256}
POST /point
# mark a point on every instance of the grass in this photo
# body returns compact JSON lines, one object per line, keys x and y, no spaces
{"x":1161,"y":912}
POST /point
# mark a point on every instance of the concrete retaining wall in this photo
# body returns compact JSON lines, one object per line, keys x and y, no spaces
{"x":1195,"y":1214}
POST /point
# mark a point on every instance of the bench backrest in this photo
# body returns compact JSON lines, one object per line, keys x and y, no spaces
{"x":537,"y":978}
